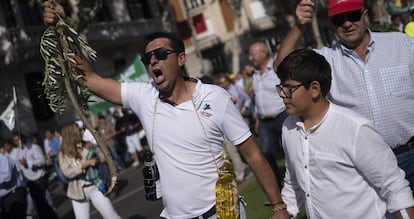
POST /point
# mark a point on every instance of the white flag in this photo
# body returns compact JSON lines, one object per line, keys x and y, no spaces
{"x":9,"y":116}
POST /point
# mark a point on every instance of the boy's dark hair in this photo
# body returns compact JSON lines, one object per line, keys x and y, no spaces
{"x":175,"y":42}
{"x":305,"y":65}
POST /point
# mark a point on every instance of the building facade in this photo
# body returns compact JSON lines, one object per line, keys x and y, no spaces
{"x":216,"y":33}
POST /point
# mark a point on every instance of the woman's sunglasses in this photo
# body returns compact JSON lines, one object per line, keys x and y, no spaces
{"x":160,"y":54}
{"x":352,"y":16}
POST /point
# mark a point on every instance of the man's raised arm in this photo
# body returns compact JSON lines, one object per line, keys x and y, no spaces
{"x":105,"y":88}
{"x":304,"y":14}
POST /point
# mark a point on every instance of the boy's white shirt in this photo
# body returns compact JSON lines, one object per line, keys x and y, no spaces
{"x":344,"y":166}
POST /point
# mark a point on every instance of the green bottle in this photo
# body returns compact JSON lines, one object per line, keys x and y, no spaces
{"x":227,"y":194}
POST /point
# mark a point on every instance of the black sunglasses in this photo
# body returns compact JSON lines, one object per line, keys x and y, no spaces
{"x":352,"y":16}
{"x":160,"y":54}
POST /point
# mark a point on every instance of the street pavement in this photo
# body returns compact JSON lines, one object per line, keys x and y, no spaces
{"x":130,"y":202}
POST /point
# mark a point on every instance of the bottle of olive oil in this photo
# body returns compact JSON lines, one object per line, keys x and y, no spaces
{"x":227,"y":202}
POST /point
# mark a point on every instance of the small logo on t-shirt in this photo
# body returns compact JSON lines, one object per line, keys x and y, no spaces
{"x":205,"y":109}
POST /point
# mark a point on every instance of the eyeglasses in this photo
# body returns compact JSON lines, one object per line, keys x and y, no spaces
{"x":352,"y":16}
{"x":288,"y":90}
{"x":160,"y":54}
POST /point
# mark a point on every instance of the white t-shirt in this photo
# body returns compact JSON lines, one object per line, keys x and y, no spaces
{"x":188,"y":172}
{"x":341,"y":168}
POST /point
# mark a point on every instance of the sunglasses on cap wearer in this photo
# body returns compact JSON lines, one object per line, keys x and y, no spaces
{"x":160,"y":54}
{"x":352,"y":16}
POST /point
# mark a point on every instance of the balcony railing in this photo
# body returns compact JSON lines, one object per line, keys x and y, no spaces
{"x":113,"y":31}
{"x":195,"y":7}
{"x":193,"y":4}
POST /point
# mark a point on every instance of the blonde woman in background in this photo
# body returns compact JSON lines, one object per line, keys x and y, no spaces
{"x":74,"y":165}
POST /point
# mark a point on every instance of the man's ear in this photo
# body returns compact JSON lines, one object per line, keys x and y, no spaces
{"x":365,"y":16}
{"x":182,"y":57}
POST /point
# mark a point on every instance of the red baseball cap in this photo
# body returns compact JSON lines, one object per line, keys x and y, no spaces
{"x":340,"y":6}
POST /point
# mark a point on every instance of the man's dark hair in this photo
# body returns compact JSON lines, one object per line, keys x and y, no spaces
{"x":176,"y":43}
{"x":305,"y":65}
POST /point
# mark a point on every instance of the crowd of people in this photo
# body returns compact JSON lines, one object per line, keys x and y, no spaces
{"x":37,"y":162}
{"x":341,"y":116}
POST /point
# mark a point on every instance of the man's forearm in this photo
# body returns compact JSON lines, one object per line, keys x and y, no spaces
{"x":288,"y":44}
{"x":405,"y":213}
{"x":262,"y":170}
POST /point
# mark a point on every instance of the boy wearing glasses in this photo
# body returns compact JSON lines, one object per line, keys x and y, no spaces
{"x":372,"y":73}
{"x":337,"y":164}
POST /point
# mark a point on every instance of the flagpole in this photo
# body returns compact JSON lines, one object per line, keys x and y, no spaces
{"x":17,"y":116}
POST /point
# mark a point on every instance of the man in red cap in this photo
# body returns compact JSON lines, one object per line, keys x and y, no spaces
{"x":372,"y":73}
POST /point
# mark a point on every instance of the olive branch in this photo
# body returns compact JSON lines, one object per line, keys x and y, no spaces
{"x":59,"y":47}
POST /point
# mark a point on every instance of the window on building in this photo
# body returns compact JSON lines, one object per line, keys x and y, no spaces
{"x":217,"y":59}
{"x":38,"y":100}
{"x":219,"y":63}
{"x":192,"y":4}
{"x":199,"y":23}
{"x":103,"y":15}
{"x":139,"y":9}
{"x":30,"y":12}
{"x":7,"y":13}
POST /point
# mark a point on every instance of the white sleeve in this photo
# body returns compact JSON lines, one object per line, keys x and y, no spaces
{"x":378,"y":164}
{"x":291,"y":195}
{"x":235,"y":128}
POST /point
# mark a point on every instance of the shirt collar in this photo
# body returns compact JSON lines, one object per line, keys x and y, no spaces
{"x":186,"y":78}
{"x":269,"y":66}
{"x":312,"y":129}
{"x":370,"y":44}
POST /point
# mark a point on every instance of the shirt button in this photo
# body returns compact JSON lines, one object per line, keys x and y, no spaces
{"x":307,"y":195}
{"x":306,"y":167}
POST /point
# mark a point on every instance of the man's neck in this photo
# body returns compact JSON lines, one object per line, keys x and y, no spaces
{"x":361,"y":49}
{"x":263,"y":66}
{"x":183,"y":91}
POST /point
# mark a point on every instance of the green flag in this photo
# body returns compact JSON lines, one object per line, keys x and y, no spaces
{"x":135,"y":71}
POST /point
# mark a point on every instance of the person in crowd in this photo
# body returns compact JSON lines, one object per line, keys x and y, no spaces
{"x":242,"y":102}
{"x":52,"y":147}
{"x":108,"y":133}
{"x":75,"y":166}
{"x":32,"y":167}
{"x":187,"y":157}
{"x":121,"y":137}
{"x":337,"y":148}
{"x":238,"y":95}
{"x":396,"y":23}
{"x":409,"y":27}
{"x":372,"y":73}
{"x":270,"y":111}
{"x":246,"y":80}
{"x":11,"y":150}
{"x":132,"y":126}
{"x":12,"y":190}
